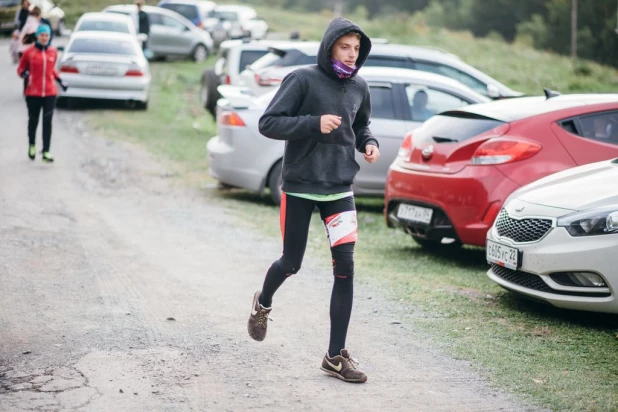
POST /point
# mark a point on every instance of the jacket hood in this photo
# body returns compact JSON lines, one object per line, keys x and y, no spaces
{"x":337,"y":28}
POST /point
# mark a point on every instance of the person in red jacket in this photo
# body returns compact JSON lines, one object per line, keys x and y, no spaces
{"x":38,"y":65}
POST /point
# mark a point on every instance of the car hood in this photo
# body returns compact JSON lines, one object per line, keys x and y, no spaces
{"x":579,"y":188}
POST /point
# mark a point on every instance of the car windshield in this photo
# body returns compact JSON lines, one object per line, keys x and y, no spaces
{"x":267,"y":60}
{"x":186,"y":10}
{"x":453,"y":127}
{"x":103,"y":25}
{"x":225,"y":15}
{"x":98,"y":46}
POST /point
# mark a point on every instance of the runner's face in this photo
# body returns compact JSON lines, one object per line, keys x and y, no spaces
{"x":43,"y":38}
{"x":346,"y":49}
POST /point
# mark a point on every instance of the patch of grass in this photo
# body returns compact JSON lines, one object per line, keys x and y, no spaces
{"x":564,"y":360}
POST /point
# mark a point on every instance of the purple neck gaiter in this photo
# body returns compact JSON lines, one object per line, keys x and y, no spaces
{"x":342,"y":70}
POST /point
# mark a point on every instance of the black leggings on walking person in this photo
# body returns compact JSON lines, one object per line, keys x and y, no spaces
{"x":295,"y":219}
{"x":35,"y":104}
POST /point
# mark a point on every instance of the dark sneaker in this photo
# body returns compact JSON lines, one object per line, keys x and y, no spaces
{"x":258,"y":319}
{"x":32,"y":151}
{"x":342,"y":367}
{"x":47,"y":157}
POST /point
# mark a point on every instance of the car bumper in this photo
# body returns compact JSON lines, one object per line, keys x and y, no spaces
{"x":227,"y":166}
{"x":465,"y":203}
{"x":113,"y":88}
{"x":559,"y":252}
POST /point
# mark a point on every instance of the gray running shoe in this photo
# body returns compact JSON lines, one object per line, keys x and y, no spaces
{"x":258,"y":319}
{"x":342,"y":367}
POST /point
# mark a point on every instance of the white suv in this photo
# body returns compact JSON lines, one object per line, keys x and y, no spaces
{"x":243,"y":22}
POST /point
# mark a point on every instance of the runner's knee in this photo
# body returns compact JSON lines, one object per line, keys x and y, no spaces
{"x":287,"y":267}
{"x":343,"y":260}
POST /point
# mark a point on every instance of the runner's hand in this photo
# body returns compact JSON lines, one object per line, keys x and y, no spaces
{"x":372,"y":153}
{"x":329,"y":122}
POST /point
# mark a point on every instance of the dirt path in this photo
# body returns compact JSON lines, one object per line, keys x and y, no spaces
{"x":120,"y":290}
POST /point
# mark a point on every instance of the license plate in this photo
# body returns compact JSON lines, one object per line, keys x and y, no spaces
{"x":503,"y":255}
{"x":101,"y":71}
{"x":415,"y":213}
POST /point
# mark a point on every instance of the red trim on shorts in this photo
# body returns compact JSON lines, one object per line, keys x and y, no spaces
{"x":282,"y":213}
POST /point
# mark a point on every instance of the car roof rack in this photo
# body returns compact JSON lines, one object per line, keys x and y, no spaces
{"x":550,"y":93}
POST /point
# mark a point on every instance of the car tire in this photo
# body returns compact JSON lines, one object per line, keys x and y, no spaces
{"x":200,"y":53}
{"x":208,"y":91}
{"x":141,"y":105}
{"x":274,"y":183}
{"x":436,"y":244}
{"x":62,"y":102}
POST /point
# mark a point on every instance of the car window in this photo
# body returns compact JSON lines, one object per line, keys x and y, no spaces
{"x":453,"y":73}
{"x":247,"y":57}
{"x":101,"y":25}
{"x":454,"y":127}
{"x":187,"y":10}
{"x":268,"y":60}
{"x":425,"y":102}
{"x":98,"y":46}
{"x":602,"y":127}
{"x":383,"y":61}
{"x":155,"y":19}
{"x":226,"y":15}
{"x":382,"y":106}
{"x":172,"y":23}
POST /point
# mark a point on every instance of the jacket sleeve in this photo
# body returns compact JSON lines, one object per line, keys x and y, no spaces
{"x":280,"y":122}
{"x":361,"y":125}
{"x":24,"y":63}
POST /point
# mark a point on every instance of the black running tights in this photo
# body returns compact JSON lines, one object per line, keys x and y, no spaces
{"x":35,"y":104}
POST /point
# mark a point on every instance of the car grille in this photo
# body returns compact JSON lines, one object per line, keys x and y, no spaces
{"x":530,"y":281}
{"x":524,"y":230}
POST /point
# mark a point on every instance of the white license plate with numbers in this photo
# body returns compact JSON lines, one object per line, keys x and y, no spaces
{"x":415,"y":213}
{"x":503,"y":255}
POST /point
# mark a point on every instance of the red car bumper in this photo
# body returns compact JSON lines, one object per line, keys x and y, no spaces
{"x":465,"y":203}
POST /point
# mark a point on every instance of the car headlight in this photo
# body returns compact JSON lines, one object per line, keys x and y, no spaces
{"x":603,"y":221}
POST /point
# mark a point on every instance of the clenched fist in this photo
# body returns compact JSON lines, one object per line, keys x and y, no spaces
{"x":372,"y":153}
{"x":329,"y":122}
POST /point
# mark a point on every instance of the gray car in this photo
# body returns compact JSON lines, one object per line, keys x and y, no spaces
{"x":401,"y":100}
{"x":171,"y":35}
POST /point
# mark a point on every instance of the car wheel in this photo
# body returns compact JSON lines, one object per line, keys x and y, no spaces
{"x":274,"y":183}
{"x":200,"y":53}
{"x":208,"y":91}
{"x":436,"y":244}
{"x":141,"y":105}
{"x":60,"y":29}
{"x":62,"y":102}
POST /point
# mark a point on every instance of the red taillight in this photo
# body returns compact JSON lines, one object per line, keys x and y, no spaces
{"x":134,"y":73}
{"x":68,"y":69}
{"x":504,"y":150}
{"x":406,"y":146}
{"x":200,"y":24}
{"x":230,"y":119}
{"x":228,"y":80}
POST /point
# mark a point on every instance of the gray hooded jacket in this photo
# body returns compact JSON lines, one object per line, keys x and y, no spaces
{"x":314,"y":162}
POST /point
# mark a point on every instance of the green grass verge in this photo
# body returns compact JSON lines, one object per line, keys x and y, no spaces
{"x":563,"y":360}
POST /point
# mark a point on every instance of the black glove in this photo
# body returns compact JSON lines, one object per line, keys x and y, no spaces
{"x":62,"y":84}
{"x":25,"y":74}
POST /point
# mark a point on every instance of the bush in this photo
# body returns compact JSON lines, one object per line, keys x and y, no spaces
{"x":582,"y":68}
{"x":533,"y":32}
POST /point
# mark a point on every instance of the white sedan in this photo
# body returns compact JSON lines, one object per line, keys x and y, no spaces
{"x":556,"y":240}
{"x":102,"y":65}
{"x":108,"y":22}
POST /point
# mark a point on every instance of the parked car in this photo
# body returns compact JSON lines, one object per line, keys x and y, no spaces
{"x":55,"y":15}
{"x":243,"y":20}
{"x":233,"y":57}
{"x":108,"y":22}
{"x":453,"y":174}
{"x":171,"y":35}
{"x":240,"y":156}
{"x":384,"y":55}
{"x":104,"y":65}
{"x":196,"y":11}
{"x":556,"y":239}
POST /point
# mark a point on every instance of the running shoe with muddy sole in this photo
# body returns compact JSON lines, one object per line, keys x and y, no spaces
{"x":342,"y":367}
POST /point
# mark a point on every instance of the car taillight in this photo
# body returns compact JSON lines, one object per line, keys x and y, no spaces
{"x":68,"y":68}
{"x":504,"y":150}
{"x":230,"y":119}
{"x":267,"y":81}
{"x":134,"y":71}
{"x":406,"y":146}
{"x":200,"y":24}
{"x":227,"y":80}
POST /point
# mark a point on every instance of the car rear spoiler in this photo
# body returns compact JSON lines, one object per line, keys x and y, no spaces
{"x":238,"y":97}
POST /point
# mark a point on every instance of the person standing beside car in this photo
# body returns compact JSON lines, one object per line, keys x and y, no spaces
{"x":322,"y":112}
{"x":22,"y":15}
{"x":37,"y":67}
{"x":143,"y":22}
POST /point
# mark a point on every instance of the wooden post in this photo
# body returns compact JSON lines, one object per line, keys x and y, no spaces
{"x":573,"y":29}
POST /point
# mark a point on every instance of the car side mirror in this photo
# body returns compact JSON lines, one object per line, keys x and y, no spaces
{"x":493,"y":91}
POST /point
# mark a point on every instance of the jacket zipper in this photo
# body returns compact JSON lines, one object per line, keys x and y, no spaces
{"x":44,"y":70}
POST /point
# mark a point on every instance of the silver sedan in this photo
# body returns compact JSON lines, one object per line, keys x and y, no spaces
{"x":102,"y":65}
{"x":241,"y":157}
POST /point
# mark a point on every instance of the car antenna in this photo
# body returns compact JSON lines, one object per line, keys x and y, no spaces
{"x":550,"y":93}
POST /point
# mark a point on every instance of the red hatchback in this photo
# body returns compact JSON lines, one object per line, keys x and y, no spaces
{"x":453,"y":174}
